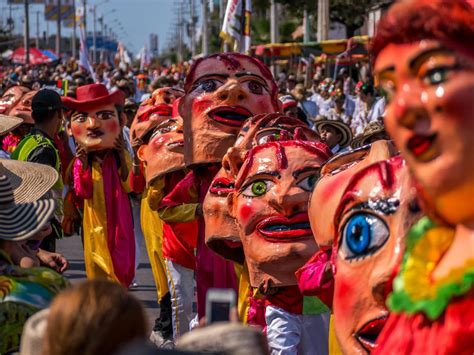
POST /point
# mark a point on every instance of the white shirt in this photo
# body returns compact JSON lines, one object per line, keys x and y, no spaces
{"x":362,"y":117}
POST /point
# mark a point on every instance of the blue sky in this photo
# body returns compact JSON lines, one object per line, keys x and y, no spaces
{"x":139,"y":18}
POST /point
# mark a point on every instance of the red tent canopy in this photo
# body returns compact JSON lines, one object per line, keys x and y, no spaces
{"x":36,"y":56}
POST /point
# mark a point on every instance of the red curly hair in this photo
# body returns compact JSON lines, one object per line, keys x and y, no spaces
{"x":449,"y":21}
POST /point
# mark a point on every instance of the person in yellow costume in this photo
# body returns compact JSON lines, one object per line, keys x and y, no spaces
{"x":100,"y":174}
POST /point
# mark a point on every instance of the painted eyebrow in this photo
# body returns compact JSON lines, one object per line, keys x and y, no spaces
{"x":387,"y":69}
{"x":298,"y":172}
{"x":79,"y":113}
{"x":105,"y":111}
{"x":223,"y":76}
{"x":244,"y":73}
{"x":384,"y":206}
{"x":414,"y":61}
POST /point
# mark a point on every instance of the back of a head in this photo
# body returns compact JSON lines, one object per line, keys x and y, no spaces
{"x":225,"y":338}
{"x":95,"y":317}
{"x":45,"y":105}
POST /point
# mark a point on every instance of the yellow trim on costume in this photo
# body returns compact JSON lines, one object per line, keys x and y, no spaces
{"x":152,"y":229}
{"x":243,"y":303}
{"x":97,"y":259}
{"x":334,"y":347}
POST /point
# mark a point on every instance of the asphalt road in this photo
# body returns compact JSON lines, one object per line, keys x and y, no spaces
{"x":71,"y":248}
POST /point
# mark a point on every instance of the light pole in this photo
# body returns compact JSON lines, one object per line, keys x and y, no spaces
{"x":37,"y":29}
{"x":205,"y":39}
{"x":27,"y":32}
{"x":58,"y":31}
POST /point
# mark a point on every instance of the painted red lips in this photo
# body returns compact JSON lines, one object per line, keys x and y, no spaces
{"x":421,"y":146}
{"x":285,"y":229}
{"x":222,"y":186}
{"x":234,"y":116}
{"x":368,"y":334}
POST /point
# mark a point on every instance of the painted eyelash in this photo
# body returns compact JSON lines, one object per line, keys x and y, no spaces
{"x":370,"y":252}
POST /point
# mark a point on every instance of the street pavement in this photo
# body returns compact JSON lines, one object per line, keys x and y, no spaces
{"x":71,"y":248}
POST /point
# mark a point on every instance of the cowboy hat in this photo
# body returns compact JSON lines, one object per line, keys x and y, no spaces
{"x":29,"y":181}
{"x":93,"y":95}
{"x":9,"y":123}
{"x":20,"y":221}
{"x":372,"y":130}
{"x":345,"y":130}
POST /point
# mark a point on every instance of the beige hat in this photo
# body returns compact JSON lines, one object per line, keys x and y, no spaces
{"x":9,"y":123}
{"x":29,"y":181}
{"x":228,"y":338}
{"x":344,"y":129}
{"x":20,"y":221}
{"x":33,"y":333}
{"x":373,"y":131}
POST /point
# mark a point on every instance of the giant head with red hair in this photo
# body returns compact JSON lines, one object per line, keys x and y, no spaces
{"x":424,"y":63}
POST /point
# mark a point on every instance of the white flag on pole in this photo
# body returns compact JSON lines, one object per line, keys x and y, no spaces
{"x":84,"y":55}
{"x":232,"y":28}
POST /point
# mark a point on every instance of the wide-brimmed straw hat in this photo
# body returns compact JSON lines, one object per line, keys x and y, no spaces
{"x":345,"y":130}
{"x":20,"y":221}
{"x":370,"y":131}
{"x":93,"y":95}
{"x":9,"y":123}
{"x":29,"y":181}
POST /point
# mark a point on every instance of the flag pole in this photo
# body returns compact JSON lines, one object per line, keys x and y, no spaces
{"x":27,"y":32}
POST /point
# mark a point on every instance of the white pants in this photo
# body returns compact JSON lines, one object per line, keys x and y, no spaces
{"x":181,"y":286}
{"x":289,"y":333}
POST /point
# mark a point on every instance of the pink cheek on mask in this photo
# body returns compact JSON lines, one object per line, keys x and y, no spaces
{"x":111,"y":125}
{"x":245,"y":212}
{"x":201,"y":104}
{"x":77,"y":131}
{"x":262,"y":104}
{"x":344,"y":294}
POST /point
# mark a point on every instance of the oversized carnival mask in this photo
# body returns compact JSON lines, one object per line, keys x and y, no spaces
{"x":429,"y":86}
{"x":159,"y":107}
{"x":222,"y":92}
{"x":96,"y":120}
{"x":376,"y":210}
{"x":162,"y":148}
{"x":270,"y":206}
{"x":163,"y":151}
{"x":222,"y":235}
{"x":22,"y":108}
{"x":11,"y":97}
{"x":334,"y":177}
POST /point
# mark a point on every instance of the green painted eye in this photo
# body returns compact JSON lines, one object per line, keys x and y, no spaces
{"x":259,"y":188}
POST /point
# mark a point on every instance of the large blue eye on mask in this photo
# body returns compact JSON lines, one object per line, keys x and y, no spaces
{"x":363,"y":234}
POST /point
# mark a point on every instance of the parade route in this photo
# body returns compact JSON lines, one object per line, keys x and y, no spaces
{"x":71,"y":248}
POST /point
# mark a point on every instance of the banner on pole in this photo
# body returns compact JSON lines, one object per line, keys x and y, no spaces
{"x":236,"y":27}
{"x":51,"y":10}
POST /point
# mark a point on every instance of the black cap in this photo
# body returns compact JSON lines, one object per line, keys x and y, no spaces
{"x":46,"y":100}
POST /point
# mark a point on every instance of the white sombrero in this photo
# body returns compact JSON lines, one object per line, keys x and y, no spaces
{"x":344,"y":129}
{"x":9,"y":123}
{"x":20,"y":221}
